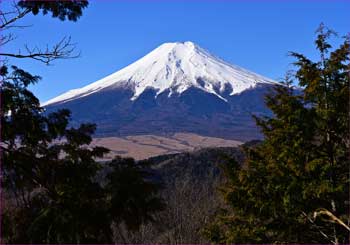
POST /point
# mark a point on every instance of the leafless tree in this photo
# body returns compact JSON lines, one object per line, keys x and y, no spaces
{"x":10,"y":19}
{"x":190,"y":206}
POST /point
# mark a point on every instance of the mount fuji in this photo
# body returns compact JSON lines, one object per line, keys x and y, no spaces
{"x":177,"y":87}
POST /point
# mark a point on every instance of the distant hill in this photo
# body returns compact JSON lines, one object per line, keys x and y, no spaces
{"x":191,"y":182}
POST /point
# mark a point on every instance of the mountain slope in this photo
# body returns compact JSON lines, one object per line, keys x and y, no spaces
{"x":174,"y":67}
{"x":178,"y":87}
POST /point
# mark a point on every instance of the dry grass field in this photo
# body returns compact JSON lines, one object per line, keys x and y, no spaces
{"x":145,"y":146}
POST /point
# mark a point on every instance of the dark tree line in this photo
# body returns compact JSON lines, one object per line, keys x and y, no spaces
{"x":49,"y":175}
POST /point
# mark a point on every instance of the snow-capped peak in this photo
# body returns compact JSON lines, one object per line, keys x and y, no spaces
{"x":174,"y":67}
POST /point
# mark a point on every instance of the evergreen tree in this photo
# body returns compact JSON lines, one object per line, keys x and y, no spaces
{"x":50,"y":176}
{"x":49,"y":170}
{"x":133,"y":191}
{"x":301,"y":170}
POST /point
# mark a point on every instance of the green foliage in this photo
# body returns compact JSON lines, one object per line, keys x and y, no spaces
{"x":50,"y":174}
{"x":70,"y":9}
{"x":50,"y":171}
{"x":133,"y":192}
{"x":48,"y":168}
{"x":301,"y":166}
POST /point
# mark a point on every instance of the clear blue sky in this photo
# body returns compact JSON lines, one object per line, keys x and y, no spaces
{"x":112,"y":34}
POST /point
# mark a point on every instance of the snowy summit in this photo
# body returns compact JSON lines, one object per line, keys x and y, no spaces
{"x":174,"y":67}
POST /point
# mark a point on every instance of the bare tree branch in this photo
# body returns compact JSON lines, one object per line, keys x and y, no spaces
{"x":6,"y":39}
{"x":332,"y":217}
{"x":64,"y":49}
{"x":7,"y":23}
{"x":318,"y":228}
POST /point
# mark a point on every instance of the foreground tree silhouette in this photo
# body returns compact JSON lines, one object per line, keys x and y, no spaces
{"x":49,"y":170}
{"x":302,"y":167}
{"x":53,"y":196}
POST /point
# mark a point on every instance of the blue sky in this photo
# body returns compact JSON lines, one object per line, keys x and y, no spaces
{"x":256,"y":35}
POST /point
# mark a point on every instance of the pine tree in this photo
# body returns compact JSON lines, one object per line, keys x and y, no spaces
{"x":301,"y":169}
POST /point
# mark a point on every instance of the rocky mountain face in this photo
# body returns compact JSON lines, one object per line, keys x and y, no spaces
{"x":178,"y":87}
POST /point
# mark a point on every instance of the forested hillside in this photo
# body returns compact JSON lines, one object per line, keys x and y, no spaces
{"x":190,"y":191}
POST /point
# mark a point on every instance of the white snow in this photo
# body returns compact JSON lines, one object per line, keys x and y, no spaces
{"x":174,"y":66}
